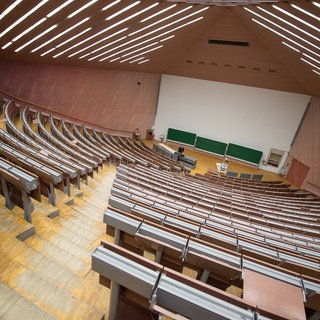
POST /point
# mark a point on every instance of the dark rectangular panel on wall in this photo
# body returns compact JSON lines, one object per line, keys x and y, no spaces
{"x":243,"y":153}
{"x":209,"y":145}
{"x":181,"y":136}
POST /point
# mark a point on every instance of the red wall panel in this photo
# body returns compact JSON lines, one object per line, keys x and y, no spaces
{"x":110,"y":99}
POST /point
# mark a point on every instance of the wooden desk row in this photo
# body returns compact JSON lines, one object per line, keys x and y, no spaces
{"x":161,"y":289}
{"x":214,"y":264}
{"x":265,"y":217}
{"x":276,"y":251}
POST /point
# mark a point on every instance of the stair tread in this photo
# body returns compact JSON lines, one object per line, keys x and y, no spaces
{"x":15,"y":306}
{"x":61,"y":256}
{"x":46,"y":295}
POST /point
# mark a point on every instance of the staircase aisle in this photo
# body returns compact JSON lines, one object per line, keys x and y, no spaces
{"x":47,"y":275}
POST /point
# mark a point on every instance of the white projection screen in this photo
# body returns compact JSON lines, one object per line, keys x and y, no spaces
{"x":251,"y":117}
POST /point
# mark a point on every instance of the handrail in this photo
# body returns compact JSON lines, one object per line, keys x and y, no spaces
{"x":64,"y":116}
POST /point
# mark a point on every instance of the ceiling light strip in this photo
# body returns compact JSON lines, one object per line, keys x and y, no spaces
{"x":291,"y":47}
{"x":150,"y":39}
{"x":288,"y":23}
{"x":111,"y":5}
{"x":37,"y":37}
{"x":304,"y":11}
{"x":25,"y":16}
{"x":70,"y":39}
{"x":161,"y":20}
{"x":310,"y":63}
{"x":29,"y":29}
{"x":297,"y":18}
{"x":52,"y":13}
{"x":74,"y":37}
{"x":9,"y":9}
{"x":107,"y":45}
{"x":142,"y":48}
{"x":285,"y":37}
{"x":128,"y":48}
{"x":143,"y":61}
{"x":123,"y":10}
{"x":105,"y":38}
{"x":171,"y":23}
{"x":45,"y":53}
{"x":315,"y":60}
{"x":103,"y":47}
{"x":136,"y":60}
{"x":56,"y":10}
{"x":107,"y":29}
{"x":81,"y":8}
{"x":61,"y":34}
{"x":141,"y":53}
{"x":282,"y":28}
{"x":159,"y":12}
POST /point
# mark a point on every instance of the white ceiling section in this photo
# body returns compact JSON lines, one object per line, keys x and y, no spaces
{"x":268,"y":44}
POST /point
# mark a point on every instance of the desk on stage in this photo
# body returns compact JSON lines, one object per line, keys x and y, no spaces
{"x":186,"y":161}
{"x":273,"y":295}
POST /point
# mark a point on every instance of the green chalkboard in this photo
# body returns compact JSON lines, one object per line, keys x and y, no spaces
{"x":181,"y":136}
{"x":211,"y":145}
{"x":243,"y":153}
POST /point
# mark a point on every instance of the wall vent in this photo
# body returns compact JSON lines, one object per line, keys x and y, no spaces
{"x":229,"y":43}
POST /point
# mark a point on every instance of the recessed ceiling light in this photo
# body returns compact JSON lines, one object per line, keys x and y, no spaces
{"x":10,"y":8}
{"x":25,"y":16}
{"x":157,"y":13}
{"x":60,"y":34}
{"x":110,"y":5}
{"x":123,"y":10}
{"x":305,"y":11}
{"x":37,"y":37}
{"x":296,"y":18}
{"x":82,"y":8}
{"x":291,"y":47}
{"x":53,"y":12}
{"x":161,"y":20}
{"x":289,"y":23}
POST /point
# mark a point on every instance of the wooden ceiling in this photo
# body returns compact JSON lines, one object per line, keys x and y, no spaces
{"x":273,"y":45}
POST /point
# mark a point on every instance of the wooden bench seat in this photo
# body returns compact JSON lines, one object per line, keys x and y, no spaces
{"x":17,"y":186}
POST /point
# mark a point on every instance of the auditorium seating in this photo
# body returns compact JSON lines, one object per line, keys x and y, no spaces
{"x":62,"y":153}
{"x":200,"y":232}
{"x":218,"y":227}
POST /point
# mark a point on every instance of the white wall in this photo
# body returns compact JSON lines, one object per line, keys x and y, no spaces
{"x":252,"y":117}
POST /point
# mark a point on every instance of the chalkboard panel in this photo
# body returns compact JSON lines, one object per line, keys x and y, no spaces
{"x":211,"y":145}
{"x":243,"y":153}
{"x":181,"y":136}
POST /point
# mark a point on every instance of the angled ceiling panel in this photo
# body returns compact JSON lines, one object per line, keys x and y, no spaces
{"x":172,"y":37}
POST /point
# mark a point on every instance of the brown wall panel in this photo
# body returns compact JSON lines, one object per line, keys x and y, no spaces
{"x":306,"y":147}
{"x":111,"y":99}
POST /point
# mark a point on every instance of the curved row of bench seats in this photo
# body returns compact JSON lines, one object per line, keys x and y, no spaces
{"x":218,"y":228}
{"x":162,"y":290}
{"x":61,"y":153}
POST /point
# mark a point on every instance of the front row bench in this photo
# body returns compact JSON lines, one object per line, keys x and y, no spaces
{"x":162,"y":290}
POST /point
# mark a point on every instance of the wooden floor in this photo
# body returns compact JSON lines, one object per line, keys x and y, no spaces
{"x":48,"y":275}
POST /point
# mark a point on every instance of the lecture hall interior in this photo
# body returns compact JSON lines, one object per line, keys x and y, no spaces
{"x":101,"y":217}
